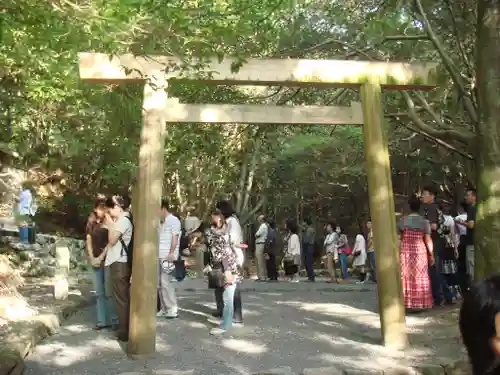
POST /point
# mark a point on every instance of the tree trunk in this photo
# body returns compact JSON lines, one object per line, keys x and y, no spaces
{"x":487,"y":229}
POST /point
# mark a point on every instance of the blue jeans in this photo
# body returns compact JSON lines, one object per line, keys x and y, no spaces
{"x":439,"y":285}
{"x":371,"y":264}
{"x":343,"y":265}
{"x":106,"y":314}
{"x":308,"y":250}
{"x":228,"y":310}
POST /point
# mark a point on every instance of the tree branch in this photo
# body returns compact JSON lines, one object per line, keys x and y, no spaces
{"x":449,"y":64}
{"x":405,"y":37}
{"x":441,"y":133}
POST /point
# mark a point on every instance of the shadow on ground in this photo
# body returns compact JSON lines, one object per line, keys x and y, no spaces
{"x":291,"y":326}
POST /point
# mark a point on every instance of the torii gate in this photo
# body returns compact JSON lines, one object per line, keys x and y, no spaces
{"x":154,"y":73}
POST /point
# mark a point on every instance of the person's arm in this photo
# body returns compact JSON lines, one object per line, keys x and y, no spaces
{"x":471,"y":217}
{"x":90,"y":250}
{"x":428,"y":241}
{"x":260,"y":231}
{"x":329,"y":240}
{"x":116,"y":230}
{"x":176,"y":231}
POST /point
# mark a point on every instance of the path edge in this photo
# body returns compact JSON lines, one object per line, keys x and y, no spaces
{"x":13,"y":353}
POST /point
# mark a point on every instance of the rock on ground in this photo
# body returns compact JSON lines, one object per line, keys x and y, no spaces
{"x":288,"y":327}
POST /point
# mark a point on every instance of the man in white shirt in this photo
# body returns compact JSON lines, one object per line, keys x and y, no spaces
{"x":119,"y":236}
{"x":260,"y":245}
{"x":169,"y":240}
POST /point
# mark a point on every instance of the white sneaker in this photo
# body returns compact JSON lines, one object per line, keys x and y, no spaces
{"x":161,"y":314}
{"x":171,"y":314}
{"x":360,"y":282}
{"x":217,"y":331}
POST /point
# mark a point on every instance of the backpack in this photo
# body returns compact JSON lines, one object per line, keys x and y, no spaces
{"x":128,"y":250}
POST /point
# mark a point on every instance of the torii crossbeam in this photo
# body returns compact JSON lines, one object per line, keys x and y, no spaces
{"x":156,"y":71}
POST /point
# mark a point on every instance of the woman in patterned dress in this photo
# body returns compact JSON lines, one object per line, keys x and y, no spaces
{"x":416,"y":254}
{"x":223,"y":257}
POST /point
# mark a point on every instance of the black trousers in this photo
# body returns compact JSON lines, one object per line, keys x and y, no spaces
{"x":272,"y":269}
{"x":463,"y":279}
{"x":238,"y":310}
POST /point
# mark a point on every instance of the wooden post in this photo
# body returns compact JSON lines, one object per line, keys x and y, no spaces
{"x":390,"y":293}
{"x":142,"y":336}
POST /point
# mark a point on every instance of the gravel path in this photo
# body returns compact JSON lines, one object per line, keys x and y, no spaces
{"x":288,"y":326}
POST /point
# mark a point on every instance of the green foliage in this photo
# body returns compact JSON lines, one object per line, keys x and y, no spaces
{"x":92,"y":132}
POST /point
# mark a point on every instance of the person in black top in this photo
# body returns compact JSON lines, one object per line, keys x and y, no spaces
{"x":270,"y":252}
{"x":470,"y":197}
{"x":430,"y":210}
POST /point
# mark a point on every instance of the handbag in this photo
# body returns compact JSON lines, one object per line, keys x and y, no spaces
{"x":216,"y":278}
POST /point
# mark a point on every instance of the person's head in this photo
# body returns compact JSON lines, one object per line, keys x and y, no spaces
{"x":338,"y":229}
{"x":218,"y":219}
{"x":308,"y":221}
{"x":114,"y":206}
{"x":369,"y":224}
{"x":225,"y":207}
{"x":414,"y":203}
{"x":479,"y":323}
{"x":470,"y":196}
{"x":127,"y":201}
{"x":261,"y":219}
{"x":291,"y":226}
{"x":27,"y":185}
{"x":330,"y":227}
{"x":429,"y":194}
{"x":189,"y":210}
{"x":100,"y":208}
{"x":164,"y":208}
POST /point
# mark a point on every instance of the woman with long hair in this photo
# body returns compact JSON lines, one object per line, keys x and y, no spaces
{"x":224,"y":273}
{"x":236,"y":240}
{"x":416,"y":254}
{"x":96,"y":235}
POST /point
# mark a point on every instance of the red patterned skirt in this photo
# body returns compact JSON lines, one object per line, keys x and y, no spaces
{"x":414,"y":271}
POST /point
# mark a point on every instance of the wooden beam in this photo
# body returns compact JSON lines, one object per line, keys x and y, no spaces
{"x":146,"y":206}
{"x":390,"y":295}
{"x":263,"y":114}
{"x":262,"y":72}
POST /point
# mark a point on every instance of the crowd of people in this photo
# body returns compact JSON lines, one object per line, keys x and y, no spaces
{"x":436,"y":250}
{"x":109,"y":243}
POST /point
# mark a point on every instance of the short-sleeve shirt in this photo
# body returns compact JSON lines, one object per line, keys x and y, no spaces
{"x":415,"y":223}
{"x":118,"y":253}
{"x":98,"y":234}
{"x":170,"y":227}
{"x":471,"y":216}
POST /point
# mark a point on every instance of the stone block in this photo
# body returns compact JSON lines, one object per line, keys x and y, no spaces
{"x":62,"y":259}
{"x":333,"y":370}
{"x":458,"y":368}
{"x":431,"y":369}
{"x":61,"y":289}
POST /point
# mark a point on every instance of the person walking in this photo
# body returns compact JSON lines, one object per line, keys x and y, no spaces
{"x":260,"y":244}
{"x":169,"y":240}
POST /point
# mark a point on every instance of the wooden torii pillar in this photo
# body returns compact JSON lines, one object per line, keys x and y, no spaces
{"x":370,"y":77}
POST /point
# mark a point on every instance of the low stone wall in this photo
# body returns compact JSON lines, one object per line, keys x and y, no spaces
{"x":38,"y":259}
